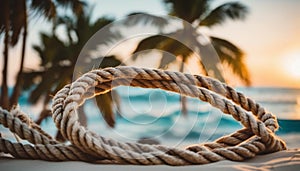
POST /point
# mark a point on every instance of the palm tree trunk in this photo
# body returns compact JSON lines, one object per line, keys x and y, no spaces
{"x":46,"y":112}
{"x":203,"y":68}
{"x":184,"y":110}
{"x":4,"y":89}
{"x":18,"y":85}
{"x":210,"y":60}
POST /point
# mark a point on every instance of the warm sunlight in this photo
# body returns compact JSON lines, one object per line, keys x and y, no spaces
{"x":110,"y":85}
{"x":292,"y":64}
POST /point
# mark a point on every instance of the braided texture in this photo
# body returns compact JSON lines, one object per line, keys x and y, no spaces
{"x":257,"y":136}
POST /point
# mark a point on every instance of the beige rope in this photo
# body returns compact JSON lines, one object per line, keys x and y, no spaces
{"x":256,"y":138}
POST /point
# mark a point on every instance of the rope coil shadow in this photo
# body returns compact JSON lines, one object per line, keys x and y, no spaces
{"x":257,"y":136}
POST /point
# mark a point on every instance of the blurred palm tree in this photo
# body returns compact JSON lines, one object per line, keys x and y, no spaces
{"x":4,"y":28}
{"x":14,"y":20}
{"x":184,"y":42}
{"x":59,"y":58}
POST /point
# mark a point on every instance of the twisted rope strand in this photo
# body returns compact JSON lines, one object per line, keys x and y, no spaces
{"x":44,"y":143}
{"x":23,"y":129}
{"x":257,"y":137}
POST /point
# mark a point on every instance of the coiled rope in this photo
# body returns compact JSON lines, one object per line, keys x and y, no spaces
{"x":257,"y":136}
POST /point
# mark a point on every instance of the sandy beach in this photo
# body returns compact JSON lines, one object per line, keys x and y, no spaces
{"x":282,"y":161}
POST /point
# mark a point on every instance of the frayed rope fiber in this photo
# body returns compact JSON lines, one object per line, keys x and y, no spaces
{"x":257,"y":136}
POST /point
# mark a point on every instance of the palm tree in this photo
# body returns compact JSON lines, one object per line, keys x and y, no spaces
{"x":49,"y":10}
{"x":4,"y":28}
{"x":184,"y":42}
{"x":16,"y":13}
{"x":19,"y":22}
{"x":58,"y":60}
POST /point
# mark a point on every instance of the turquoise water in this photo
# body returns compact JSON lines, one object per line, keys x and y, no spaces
{"x":157,"y":114}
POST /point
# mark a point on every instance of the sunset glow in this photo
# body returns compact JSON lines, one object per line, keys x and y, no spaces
{"x":270,"y":42}
{"x":292,"y":64}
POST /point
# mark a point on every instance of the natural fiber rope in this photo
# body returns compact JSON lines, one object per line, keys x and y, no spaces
{"x":256,"y":138}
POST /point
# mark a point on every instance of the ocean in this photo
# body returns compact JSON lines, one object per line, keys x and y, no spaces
{"x":156,"y":114}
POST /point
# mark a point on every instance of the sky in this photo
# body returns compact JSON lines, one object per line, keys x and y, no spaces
{"x":269,"y":36}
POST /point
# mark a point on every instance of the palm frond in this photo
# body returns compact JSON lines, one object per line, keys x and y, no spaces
{"x":144,"y":18}
{"x":55,"y":49}
{"x":30,"y":78}
{"x":107,"y":61}
{"x":233,"y":56}
{"x":187,"y":10}
{"x":166,"y":59}
{"x":51,"y":79}
{"x":164,"y":43}
{"x":151,"y":42}
{"x":66,"y":21}
{"x":87,"y":32}
{"x":18,"y":20}
{"x":210,"y":61}
{"x":107,"y":34}
{"x":4,"y":7}
{"x":105,"y":105}
{"x":54,"y":52}
{"x":231,"y":10}
{"x":99,"y":62}
{"x":76,"y":5}
{"x":46,"y":7}
{"x":40,"y":50}
{"x":39,"y":90}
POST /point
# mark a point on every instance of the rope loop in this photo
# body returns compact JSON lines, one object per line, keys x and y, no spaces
{"x":256,"y":137}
